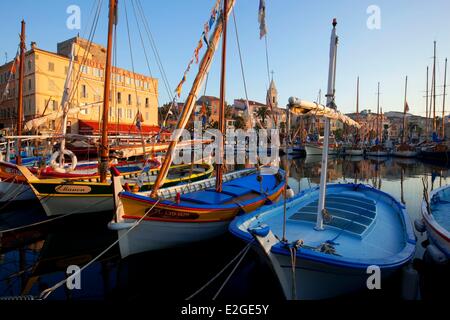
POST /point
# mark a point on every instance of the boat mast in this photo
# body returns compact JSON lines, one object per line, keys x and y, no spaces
{"x":219,"y":165}
{"x":443,"y":100}
{"x":426,"y":106}
{"x":434,"y":90}
{"x":20,"y":99}
{"x":66,"y":106}
{"x":357,"y":104}
{"x":330,"y":104}
{"x":204,"y":67}
{"x":378,"y":112}
{"x":104,"y":157}
{"x":404,"y":112}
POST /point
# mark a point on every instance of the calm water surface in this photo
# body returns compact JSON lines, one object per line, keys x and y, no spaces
{"x":35,"y":259}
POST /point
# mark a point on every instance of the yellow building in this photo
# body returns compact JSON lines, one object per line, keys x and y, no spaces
{"x":45,"y":76}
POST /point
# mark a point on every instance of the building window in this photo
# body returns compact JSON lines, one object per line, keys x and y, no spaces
{"x":130,"y":101}
{"x":127,"y":80}
{"x":53,"y":125}
{"x":84,"y":93}
{"x":55,"y":105}
{"x":85,"y":111}
{"x":146,"y":116}
{"x":51,"y":66}
{"x":138,"y":100}
{"x":119,"y":97}
{"x":120,"y":115}
{"x":146,"y":85}
{"x":29,"y":65}
{"x":147,"y":102}
{"x":85,"y":69}
{"x":51,"y":85}
{"x":111,"y":112}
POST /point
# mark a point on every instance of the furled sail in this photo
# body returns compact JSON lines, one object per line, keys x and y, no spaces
{"x":302,"y":107}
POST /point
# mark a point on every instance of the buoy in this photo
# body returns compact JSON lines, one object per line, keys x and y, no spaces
{"x":410,"y":282}
{"x":55,"y":165}
{"x":419,"y":225}
{"x":435,"y":255}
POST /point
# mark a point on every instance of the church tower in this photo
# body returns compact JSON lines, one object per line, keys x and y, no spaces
{"x":272,"y":94}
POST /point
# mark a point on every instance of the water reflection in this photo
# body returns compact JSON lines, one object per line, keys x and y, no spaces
{"x":36,"y":259}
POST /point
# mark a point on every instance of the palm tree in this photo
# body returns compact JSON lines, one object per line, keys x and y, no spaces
{"x":262,"y":113}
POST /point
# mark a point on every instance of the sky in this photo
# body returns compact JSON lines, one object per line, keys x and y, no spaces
{"x":298,"y":45}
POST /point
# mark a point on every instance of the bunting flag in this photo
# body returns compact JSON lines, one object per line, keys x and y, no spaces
{"x":206,"y":28}
{"x":11,"y":74}
{"x":197,"y":50}
{"x":262,"y":18}
{"x":406,"y":106}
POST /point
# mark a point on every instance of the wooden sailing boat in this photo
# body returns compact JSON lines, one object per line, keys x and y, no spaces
{"x":378,"y":150}
{"x":321,"y":242}
{"x":439,"y":149}
{"x":198,"y":211}
{"x":405,"y":150}
{"x":355,"y":149}
{"x":95,"y":193}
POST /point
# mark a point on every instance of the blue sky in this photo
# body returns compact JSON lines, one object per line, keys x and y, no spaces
{"x":298,"y":38}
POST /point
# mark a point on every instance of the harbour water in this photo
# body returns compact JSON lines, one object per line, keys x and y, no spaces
{"x":35,"y":259}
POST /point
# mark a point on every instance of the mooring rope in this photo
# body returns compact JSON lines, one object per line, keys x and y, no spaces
{"x":46,"y":293}
{"x":241,"y":254}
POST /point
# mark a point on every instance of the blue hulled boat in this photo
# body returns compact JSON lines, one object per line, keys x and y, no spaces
{"x":363,"y":227}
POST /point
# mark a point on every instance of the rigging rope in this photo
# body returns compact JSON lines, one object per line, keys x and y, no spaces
{"x":46,"y":293}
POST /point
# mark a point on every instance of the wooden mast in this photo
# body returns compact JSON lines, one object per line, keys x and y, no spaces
{"x":426,"y":106}
{"x":357,"y":100}
{"x":20,"y":99}
{"x":378,"y":112}
{"x":219,"y":165}
{"x":104,"y":157}
{"x":434,"y":90}
{"x":205,"y":65}
{"x":404,"y":112}
{"x":443,"y":101}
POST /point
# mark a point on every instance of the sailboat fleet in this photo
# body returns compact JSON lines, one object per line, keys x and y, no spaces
{"x":319,"y":243}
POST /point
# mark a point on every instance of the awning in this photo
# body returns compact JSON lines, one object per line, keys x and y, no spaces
{"x":93,"y":127}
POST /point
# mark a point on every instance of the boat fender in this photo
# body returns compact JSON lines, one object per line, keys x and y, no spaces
{"x":55,"y":165}
{"x":289,"y":193}
{"x":436,"y":255}
{"x":117,"y":226}
{"x":419,"y":225}
{"x":178,"y":198}
{"x":260,"y":231}
{"x":126,"y":187}
{"x":410,"y":283}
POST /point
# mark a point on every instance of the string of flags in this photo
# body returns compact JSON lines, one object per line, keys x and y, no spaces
{"x":262,"y":18}
{"x":11,"y":74}
{"x":204,"y":37}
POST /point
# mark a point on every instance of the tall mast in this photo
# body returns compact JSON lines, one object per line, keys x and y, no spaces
{"x":219,"y":165}
{"x":20,"y":99}
{"x":205,"y":65}
{"x":426,"y":106}
{"x":357,"y":100}
{"x":443,"y":100}
{"x":404,"y":111}
{"x":104,"y":157}
{"x":434,"y":90}
{"x":330,"y":104}
{"x":378,"y":111}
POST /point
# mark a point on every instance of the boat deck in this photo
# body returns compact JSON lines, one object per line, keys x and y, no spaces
{"x":362,"y":226}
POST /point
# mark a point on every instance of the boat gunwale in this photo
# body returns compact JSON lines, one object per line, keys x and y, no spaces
{"x":431,"y":221}
{"x":393,"y":261}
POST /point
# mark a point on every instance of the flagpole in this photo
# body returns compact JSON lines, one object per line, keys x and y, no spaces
{"x":330,"y":104}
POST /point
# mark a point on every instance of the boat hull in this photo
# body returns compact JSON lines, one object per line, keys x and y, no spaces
{"x":405,"y":154}
{"x":436,"y":233}
{"x":354,"y":152}
{"x":11,"y":191}
{"x":377,"y":153}
{"x":317,"y":150}
{"x":157,"y":235}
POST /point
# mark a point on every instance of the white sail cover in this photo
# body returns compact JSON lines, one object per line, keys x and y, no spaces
{"x":36,"y":123}
{"x":302,"y":107}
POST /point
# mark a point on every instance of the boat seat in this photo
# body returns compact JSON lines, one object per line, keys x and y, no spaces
{"x":211,"y":197}
{"x":250,"y":183}
{"x":350,"y":213}
{"x":234,"y":191}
